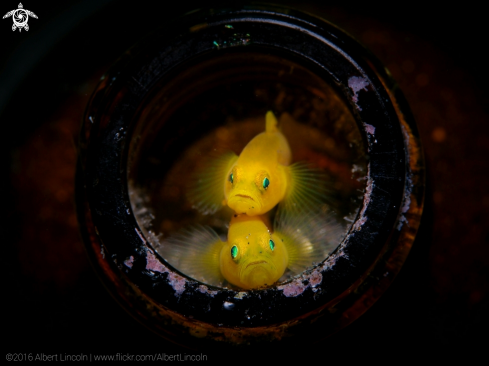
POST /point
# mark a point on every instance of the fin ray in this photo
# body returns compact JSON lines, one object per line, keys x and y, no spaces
{"x":309,"y":238}
{"x":308,"y":190}
{"x":195,"y":252}
{"x":206,"y":189}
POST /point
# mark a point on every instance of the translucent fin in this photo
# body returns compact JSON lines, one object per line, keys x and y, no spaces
{"x":307,"y":192}
{"x":195,"y":252}
{"x":206,"y":188}
{"x":309,"y":238}
{"x":271,"y":122}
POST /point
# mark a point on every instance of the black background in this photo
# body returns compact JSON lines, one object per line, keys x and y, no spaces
{"x":53,"y":301}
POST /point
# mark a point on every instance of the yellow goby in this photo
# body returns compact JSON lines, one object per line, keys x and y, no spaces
{"x":258,"y":179}
{"x":253,"y":256}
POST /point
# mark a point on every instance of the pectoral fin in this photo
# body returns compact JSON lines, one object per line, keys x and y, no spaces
{"x":206,"y":187}
{"x":308,"y":238}
{"x":307,"y":190}
{"x":195,"y":252}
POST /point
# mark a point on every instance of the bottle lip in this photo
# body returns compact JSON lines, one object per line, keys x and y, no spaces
{"x":392,"y":203}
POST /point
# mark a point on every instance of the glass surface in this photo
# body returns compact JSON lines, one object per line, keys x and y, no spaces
{"x":219,"y":105}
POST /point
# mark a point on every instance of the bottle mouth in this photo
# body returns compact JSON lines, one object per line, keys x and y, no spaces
{"x":260,"y":79}
{"x":214,"y":75}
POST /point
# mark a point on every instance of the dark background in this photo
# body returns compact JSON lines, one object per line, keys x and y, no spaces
{"x":54,"y":303}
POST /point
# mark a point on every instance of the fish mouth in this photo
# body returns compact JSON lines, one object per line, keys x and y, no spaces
{"x":244,"y":196}
{"x":257,"y":274}
{"x":245,"y":202}
{"x":255,"y":263}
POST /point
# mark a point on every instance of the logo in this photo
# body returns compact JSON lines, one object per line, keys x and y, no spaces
{"x":20,"y":17}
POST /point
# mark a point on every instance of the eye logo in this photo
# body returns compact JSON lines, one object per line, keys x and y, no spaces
{"x":20,"y":17}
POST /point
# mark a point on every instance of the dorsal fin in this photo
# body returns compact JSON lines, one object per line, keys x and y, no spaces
{"x":271,"y":122}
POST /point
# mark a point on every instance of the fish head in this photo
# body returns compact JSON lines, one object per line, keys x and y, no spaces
{"x":252,"y":257}
{"x":255,"y":187}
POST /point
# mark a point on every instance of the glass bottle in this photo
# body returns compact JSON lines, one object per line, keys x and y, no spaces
{"x":204,"y":84}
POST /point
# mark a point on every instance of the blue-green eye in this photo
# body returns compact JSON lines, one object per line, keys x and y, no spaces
{"x":234,"y":252}
{"x":272,"y":244}
{"x":231,"y":178}
{"x":266,"y":183}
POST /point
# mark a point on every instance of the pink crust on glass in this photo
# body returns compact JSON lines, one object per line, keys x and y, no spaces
{"x":356,"y":84}
{"x":128,"y":262}
{"x":370,"y":129}
{"x":176,"y":281}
